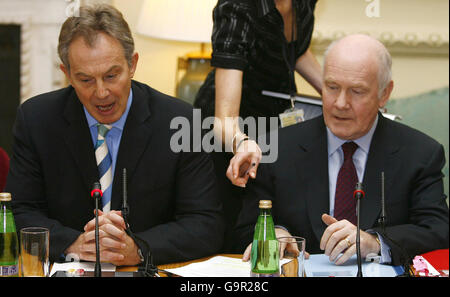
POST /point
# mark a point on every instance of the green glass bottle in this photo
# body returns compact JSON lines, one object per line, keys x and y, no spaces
{"x":265,"y":248}
{"x":9,"y":245}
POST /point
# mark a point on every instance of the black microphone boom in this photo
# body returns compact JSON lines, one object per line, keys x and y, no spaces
{"x":406,"y":259}
{"x":382,"y":220}
{"x":97,"y":194}
{"x":358,"y":194}
{"x":147,"y":268}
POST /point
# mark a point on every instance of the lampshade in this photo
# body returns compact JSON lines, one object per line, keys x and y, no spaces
{"x":182,"y":20}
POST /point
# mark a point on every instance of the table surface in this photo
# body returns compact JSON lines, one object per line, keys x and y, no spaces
{"x":289,"y":269}
{"x":179,"y":264}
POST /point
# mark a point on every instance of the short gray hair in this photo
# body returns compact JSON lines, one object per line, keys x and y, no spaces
{"x":91,"y":21}
{"x":384,"y":75}
{"x":384,"y":70}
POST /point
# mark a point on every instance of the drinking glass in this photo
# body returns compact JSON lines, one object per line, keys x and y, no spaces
{"x":294,"y":250}
{"x":34,"y":252}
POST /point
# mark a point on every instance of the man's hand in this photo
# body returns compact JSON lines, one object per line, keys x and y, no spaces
{"x":116,"y":246}
{"x":340,"y":238}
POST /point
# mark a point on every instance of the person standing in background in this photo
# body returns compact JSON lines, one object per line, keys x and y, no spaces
{"x":257,"y":45}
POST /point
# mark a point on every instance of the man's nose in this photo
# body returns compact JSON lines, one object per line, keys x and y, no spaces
{"x":342,"y":100}
{"x":101,"y":90}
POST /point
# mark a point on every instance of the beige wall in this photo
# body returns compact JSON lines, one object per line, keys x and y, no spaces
{"x":415,"y":31}
{"x":404,"y":26}
{"x":157,"y":58}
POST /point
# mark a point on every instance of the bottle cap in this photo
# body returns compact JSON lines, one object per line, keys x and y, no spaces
{"x":265,"y":204}
{"x":5,"y":196}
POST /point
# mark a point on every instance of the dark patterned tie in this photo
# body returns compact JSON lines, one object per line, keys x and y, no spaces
{"x":344,"y":203}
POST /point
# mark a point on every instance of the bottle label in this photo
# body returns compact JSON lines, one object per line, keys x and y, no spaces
{"x":11,"y":270}
{"x":265,"y":257}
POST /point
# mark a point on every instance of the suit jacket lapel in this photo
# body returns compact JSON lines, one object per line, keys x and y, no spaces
{"x":78,"y":139}
{"x":382,"y":158}
{"x":315,"y":162}
{"x":135,"y":137}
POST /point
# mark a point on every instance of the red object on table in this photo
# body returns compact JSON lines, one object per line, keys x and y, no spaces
{"x":438,"y":259}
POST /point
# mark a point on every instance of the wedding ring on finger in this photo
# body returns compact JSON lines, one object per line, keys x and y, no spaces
{"x":349,"y":244}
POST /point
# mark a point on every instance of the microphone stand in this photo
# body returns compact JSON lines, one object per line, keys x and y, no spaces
{"x":382,"y":220}
{"x":97,"y":194}
{"x":406,"y":259}
{"x":358,"y":194}
{"x":98,"y":268}
{"x":148,"y":269}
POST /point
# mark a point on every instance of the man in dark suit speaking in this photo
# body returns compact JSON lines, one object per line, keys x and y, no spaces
{"x":321,"y":160}
{"x":103,"y":122}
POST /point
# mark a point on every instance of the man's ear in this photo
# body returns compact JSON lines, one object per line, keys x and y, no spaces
{"x":386,"y":94}
{"x":134,"y":61}
{"x":66,"y":72}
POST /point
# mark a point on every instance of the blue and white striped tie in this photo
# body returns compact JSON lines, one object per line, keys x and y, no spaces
{"x":104,"y":163}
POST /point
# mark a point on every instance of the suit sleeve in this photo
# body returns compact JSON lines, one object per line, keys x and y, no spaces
{"x":198,"y":228}
{"x":428,"y":226}
{"x":27,"y":185}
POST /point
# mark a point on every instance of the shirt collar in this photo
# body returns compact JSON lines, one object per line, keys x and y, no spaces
{"x":119,"y":124}
{"x":363,"y":142}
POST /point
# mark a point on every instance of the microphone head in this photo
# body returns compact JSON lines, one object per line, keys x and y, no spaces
{"x":358,"y":193}
{"x":96,"y":191}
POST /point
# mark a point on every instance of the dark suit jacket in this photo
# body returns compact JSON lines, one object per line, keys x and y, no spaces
{"x":416,"y":211}
{"x":172,"y":196}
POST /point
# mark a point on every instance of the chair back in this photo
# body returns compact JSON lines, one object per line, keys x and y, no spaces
{"x":4,"y":168}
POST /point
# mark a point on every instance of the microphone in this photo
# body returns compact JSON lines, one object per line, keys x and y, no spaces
{"x":148,"y":269}
{"x":406,"y":259}
{"x":358,"y":194}
{"x":125,"y":208}
{"x":382,"y":220}
{"x":97,"y":194}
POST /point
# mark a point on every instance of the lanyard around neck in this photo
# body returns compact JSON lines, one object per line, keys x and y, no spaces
{"x":289,"y":56}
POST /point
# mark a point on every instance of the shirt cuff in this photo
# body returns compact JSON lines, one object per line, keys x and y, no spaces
{"x":281,"y":227}
{"x":228,"y":61}
{"x":385,"y":251}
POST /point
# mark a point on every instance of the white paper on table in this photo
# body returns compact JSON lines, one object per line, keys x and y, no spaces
{"x":321,"y":266}
{"x":86,"y":266}
{"x":431,"y":270}
{"x":218,"y":266}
